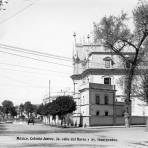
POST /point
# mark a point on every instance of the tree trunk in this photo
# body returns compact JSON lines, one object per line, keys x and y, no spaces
{"x":146,"y":124}
{"x":146,"y":118}
{"x":127,"y":114}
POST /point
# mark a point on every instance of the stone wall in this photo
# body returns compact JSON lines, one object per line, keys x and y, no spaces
{"x":138,"y":120}
{"x":104,"y":121}
{"x":95,"y":120}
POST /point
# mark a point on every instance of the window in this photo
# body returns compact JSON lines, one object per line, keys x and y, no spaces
{"x":83,"y":102}
{"x":106,"y":113}
{"x":106,"y":99}
{"x":128,"y":62}
{"x":97,"y":113}
{"x":107,"y":81}
{"x":107,"y":64}
{"x":128,"y":65}
{"x":97,"y":99}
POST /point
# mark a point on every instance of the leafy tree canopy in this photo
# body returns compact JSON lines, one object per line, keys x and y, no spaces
{"x":13,"y":112}
{"x":114,"y":34}
{"x":7,"y":106}
{"x":21,"y":107}
{"x":65,"y":105}
{"x":41,"y":109}
{"x":61,"y":106}
{"x":28,"y":107}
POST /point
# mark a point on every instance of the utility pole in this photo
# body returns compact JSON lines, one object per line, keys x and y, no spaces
{"x":49,"y":89}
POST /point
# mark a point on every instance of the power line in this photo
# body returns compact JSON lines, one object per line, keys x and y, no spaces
{"x":17,"y":13}
{"x":28,"y":51}
{"x":27,"y":71}
{"x":23,"y":82}
{"x":44,"y":54}
{"x":35,"y":59}
{"x":33,"y":68}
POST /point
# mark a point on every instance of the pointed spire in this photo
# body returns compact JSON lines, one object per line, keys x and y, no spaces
{"x":74,"y":47}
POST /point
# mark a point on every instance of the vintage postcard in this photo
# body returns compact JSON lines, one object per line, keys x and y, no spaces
{"x":73,"y":73}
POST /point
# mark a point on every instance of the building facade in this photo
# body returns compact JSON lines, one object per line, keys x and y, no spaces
{"x":99,"y":85}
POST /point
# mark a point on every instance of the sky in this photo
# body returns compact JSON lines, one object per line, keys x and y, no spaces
{"x":45,"y":26}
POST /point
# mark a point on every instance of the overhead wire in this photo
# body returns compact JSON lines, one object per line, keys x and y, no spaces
{"x":33,"y":52}
{"x":33,"y":68}
{"x":12,"y":16}
{"x":38,"y":52}
{"x":44,"y":60}
{"x":17,"y":13}
{"x":23,"y":82}
{"x":37,"y":73}
{"x":40,"y":60}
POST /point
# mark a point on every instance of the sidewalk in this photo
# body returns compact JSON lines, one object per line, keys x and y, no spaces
{"x":117,"y":126}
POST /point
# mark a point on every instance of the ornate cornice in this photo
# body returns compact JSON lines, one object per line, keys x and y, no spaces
{"x":110,"y":53}
{"x":103,"y":72}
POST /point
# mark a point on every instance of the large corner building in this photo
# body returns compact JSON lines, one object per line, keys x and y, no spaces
{"x":99,"y":86}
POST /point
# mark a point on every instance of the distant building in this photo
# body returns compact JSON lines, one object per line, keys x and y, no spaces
{"x":49,"y":99}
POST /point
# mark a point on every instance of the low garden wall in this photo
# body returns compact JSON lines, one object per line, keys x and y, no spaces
{"x":105,"y":121}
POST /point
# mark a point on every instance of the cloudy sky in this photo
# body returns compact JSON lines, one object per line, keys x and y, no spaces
{"x":45,"y":26}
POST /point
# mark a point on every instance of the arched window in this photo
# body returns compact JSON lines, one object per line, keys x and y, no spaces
{"x":106,"y":101}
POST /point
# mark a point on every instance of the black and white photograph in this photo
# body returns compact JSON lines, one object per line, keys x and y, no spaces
{"x":73,"y":73}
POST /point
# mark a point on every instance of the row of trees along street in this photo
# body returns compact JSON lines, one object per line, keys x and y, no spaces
{"x":60,"y":107}
{"x":114,"y":33}
{"x":9,"y":111}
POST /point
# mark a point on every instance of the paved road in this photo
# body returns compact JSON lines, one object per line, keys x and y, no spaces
{"x":28,"y":136}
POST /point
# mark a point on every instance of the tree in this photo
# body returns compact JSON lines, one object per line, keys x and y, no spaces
{"x":1,"y":112}
{"x":66,"y":104}
{"x":141,"y":89}
{"x":40,"y":109}
{"x":52,"y":108}
{"x":28,"y":107}
{"x":13,"y":112}
{"x":7,"y":107}
{"x":115,"y":35}
{"x":62,"y":106}
{"x":21,"y":109}
{"x":1,"y":109}
{"x":35,"y":107}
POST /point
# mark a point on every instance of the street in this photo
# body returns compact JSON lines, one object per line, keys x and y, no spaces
{"x":38,"y":135}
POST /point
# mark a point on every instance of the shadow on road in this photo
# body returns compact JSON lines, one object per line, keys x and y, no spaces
{"x":54,"y":145}
{"x":33,"y":132}
{"x":2,"y":128}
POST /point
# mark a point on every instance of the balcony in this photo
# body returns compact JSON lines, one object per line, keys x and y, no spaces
{"x":96,"y":86}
